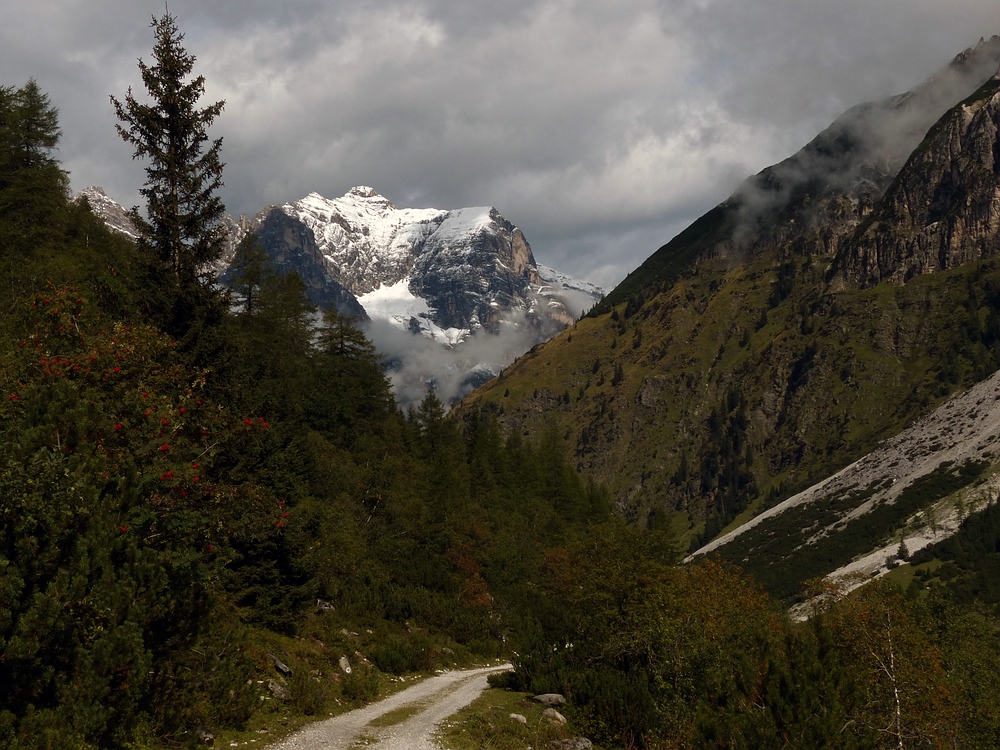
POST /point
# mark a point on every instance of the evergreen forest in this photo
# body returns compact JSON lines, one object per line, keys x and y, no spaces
{"x":201,"y":488}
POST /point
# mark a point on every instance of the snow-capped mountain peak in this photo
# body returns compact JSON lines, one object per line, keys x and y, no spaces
{"x":449,"y":275}
{"x":113,"y":214}
{"x":365,"y":240}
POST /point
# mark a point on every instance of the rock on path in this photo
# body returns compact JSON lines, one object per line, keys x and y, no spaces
{"x":437,"y":698}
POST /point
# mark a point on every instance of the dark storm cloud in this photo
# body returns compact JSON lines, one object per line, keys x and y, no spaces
{"x":600,"y":128}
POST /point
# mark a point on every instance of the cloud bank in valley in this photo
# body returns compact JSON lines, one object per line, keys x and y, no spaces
{"x":417,"y":363}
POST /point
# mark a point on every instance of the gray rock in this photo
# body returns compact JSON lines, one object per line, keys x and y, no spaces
{"x":550,"y":699}
{"x":554,"y":716}
{"x":345,"y":665}
{"x":322,"y":605}
{"x":278,"y":690}
{"x":519,"y":718}
{"x":279,"y":665}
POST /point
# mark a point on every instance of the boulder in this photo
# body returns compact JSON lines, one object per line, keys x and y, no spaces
{"x":519,"y":718}
{"x":550,"y":699}
{"x":554,"y":716}
{"x":279,"y":665}
{"x":574,"y":743}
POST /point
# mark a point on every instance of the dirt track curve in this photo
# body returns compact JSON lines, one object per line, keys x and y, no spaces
{"x":432,"y":701}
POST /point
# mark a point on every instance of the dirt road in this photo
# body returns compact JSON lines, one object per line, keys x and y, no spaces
{"x":419,"y":708}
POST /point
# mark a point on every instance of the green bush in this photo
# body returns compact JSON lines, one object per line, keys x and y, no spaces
{"x":360,"y":686}
{"x":400,"y":656}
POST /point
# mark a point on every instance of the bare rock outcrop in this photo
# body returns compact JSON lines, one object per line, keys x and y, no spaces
{"x":943,"y":209}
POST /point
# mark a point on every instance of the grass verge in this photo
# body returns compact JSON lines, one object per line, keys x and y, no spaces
{"x":487,"y":724}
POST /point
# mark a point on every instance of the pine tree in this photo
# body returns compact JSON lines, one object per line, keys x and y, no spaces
{"x":351,"y":395}
{"x":183,"y":229}
{"x":38,"y":127}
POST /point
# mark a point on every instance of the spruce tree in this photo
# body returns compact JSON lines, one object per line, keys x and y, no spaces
{"x":182,"y":229}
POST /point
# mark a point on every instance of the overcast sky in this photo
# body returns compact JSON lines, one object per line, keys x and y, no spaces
{"x":600,"y":127}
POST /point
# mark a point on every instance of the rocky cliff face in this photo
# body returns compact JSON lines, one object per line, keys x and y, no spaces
{"x":943,"y":209}
{"x":292,"y":246}
{"x":474,"y":269}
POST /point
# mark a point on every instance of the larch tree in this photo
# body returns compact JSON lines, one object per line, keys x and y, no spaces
{"x":251,"y":271}
{"x":33,"y":186}
{"x":182,"y":229}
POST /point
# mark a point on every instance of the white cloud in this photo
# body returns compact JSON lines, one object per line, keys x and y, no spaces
{"x":601,"y":128}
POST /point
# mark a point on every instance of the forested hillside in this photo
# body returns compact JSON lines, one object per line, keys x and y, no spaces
{"x":210,"y":503}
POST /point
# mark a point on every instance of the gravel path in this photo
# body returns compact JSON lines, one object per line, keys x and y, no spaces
{"x":436,"y":699}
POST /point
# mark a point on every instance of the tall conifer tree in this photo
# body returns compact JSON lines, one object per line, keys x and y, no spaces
{"x":183,"y":229}
{"x":33,"y":186}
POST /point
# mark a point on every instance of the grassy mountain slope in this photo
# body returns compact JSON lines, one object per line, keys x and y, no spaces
{"x":741,"y":363}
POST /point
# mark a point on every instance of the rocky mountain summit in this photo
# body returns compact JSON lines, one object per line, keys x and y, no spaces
{"x":813,"y":202}
{"x":472,"y":267}
{"x":113,"y":213}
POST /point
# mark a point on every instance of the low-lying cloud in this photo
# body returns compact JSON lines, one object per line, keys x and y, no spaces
{"x":418,"y":364}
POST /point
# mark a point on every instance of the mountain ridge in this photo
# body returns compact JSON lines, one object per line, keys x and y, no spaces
{"x":740,"y":364}
{"x":816,"y":197}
